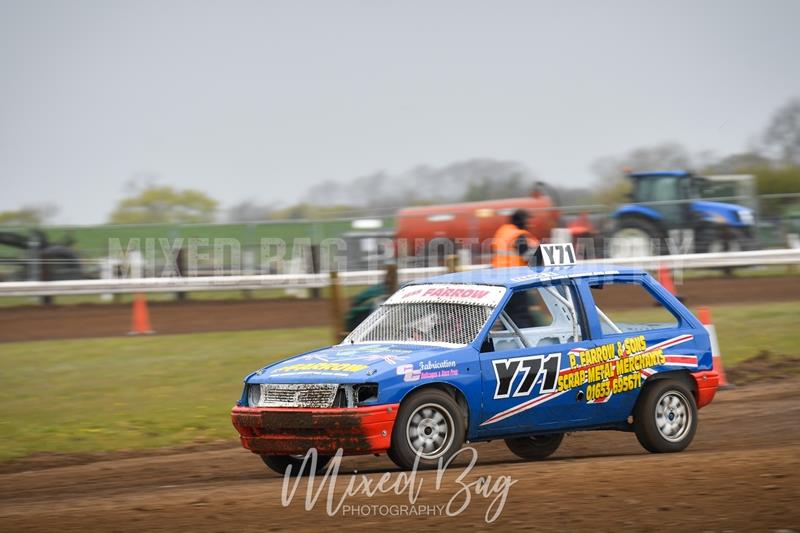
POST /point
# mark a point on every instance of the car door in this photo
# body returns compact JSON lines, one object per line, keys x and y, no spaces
{"x":526,"y":358}
{"x":630,"y":318}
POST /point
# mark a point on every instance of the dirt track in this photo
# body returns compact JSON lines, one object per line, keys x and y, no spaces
{"x":88,"y":320}
{"x":111,"y":320}
{"x":741,"y":473}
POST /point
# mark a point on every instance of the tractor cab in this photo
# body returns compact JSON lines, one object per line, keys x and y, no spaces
{"x":669,"y":194}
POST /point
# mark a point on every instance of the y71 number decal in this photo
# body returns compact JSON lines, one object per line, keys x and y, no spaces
{"x":532,"y":369}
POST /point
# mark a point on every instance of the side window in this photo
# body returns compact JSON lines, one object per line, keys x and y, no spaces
{"x":541,"y":316}
{"x":628,"y":307}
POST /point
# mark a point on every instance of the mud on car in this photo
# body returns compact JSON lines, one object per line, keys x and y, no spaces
{"x":521,"y":354}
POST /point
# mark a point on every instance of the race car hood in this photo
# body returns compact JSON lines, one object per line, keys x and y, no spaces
{"x":351,"y":363}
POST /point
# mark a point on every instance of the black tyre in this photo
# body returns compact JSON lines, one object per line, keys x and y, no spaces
{"x":635,"y":237}
{"x":279,"y":464}
{"x":740,"y":239}
{"x":712,"y":239}
{"x":60,"y":263}
{"x":534,"y":448}
{"x":665,"y":417}
{"x":393,"y":456}
{"x":429,"y":424}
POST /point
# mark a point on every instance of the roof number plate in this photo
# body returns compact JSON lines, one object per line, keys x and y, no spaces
{"x":555,"y":255}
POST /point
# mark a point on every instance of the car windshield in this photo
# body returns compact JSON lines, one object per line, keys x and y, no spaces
{"x":430,"y":314}
{"x":424,"y":323}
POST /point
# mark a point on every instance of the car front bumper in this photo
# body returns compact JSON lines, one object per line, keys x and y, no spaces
{"x":291,"y":431}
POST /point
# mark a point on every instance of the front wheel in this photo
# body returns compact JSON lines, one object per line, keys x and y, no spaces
{"x":665,"y":418}
{"x":723,"y":239}
{"x":280,"y":463}
{"x":534,"y":448}
{"x":430,"y":425}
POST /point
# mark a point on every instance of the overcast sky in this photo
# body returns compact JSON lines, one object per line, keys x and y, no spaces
{"x":258,"y":100}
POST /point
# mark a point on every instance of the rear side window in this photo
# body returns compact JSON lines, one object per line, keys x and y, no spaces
{"x":629,"y":307}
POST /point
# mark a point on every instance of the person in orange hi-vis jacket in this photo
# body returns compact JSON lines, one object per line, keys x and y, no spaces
{"x":513,"y":243}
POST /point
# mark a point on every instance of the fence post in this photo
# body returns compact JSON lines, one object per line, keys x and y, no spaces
{"x":792,"y":241}
{"x":391,"y":282}
{"x":337,"y":313}
{"x":451,"y":262}
{"x":316,"y":293}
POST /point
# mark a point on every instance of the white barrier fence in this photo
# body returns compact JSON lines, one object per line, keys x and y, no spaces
{"x":289,"y":281}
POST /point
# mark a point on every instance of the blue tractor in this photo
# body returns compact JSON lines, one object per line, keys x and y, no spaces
{"x":668,"y":204}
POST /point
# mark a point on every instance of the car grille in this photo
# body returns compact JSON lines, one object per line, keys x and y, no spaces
{"x":319,"y":395}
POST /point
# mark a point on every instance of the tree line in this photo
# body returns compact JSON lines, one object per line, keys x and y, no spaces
{"x":774,"y":158}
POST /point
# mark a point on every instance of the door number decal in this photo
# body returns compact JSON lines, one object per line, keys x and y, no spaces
{"x":530,"y":370}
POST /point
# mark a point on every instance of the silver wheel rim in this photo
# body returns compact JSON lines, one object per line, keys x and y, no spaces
{"x":430,"y":431}
{"x":630,"y":242}
{"x":673,"y":416}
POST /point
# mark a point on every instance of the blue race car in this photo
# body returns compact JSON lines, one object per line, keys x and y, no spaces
{"x":521,"y":354}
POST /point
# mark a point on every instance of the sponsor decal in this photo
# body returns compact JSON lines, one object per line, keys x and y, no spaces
{"x":347,"y":368}
{"x":489,"y":295}
{"x":322,"y":374}
{"x":609,"y":369}
{"x":623,"y":366}
{"x":362,"y":354}
{"x":428,"y":370}
{"x":555,"y":274}
{"x":365,"y":349}
{"x":408,"y":372}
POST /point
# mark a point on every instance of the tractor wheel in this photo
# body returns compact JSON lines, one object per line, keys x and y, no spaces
{"x":635,"y":237}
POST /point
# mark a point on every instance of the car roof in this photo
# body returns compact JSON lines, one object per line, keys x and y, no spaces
{"x":523,"y":276}
{"x":656,"y":173}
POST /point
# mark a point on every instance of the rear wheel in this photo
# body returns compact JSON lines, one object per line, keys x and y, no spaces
{"x":280,"y":463}
{"x":665,"y":418}
{"x":429,"y":425}
{"x":635,"y":237}
{"x":533,"y":448}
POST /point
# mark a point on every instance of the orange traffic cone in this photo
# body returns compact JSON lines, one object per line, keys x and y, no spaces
{"x":665,"y":279}
{"x":704,"y":314}
{"x":140,"y":320}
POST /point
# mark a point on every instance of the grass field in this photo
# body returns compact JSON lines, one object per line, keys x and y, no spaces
{"x":89,"y":395}
{"x":126,"y":393}
{"x":744,"y":330}
{"x":92,"y":241}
